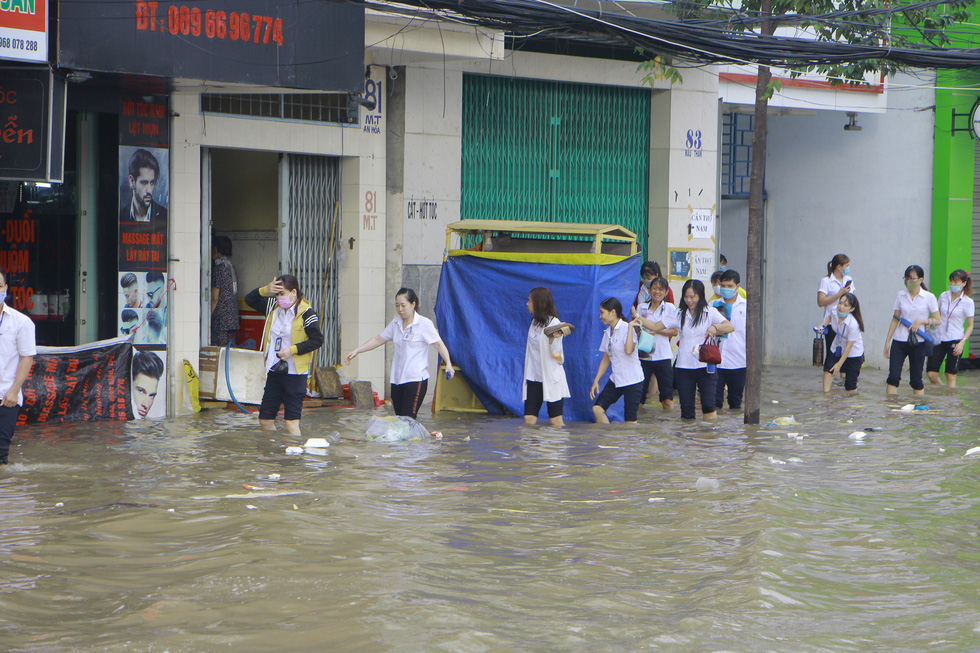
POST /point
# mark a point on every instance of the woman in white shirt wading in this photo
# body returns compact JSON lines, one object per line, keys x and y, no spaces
{"x":919,"y":306}
{"x":411,"y":335}
{"x":832,"y":287}
{"x":695,"y":321}
{"x":620,"y":353}
{"x":956,"y":311}
{"x":544,"y":359}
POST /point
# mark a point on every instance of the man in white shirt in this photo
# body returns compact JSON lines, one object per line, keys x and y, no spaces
{"x":17,"y":351}
{"x":731,"y":370}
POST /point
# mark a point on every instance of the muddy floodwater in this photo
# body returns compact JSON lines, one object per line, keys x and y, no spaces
{"x":661,"y":536}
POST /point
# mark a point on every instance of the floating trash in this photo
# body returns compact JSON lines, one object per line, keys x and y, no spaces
{"x":776,"y":461}
{"x":970,"y":452}
{"x":395,"y":429}
{"x":857,"y":435}
{"x":294,"y":449}
{"x":783,"y":421}
{"x":316,"y":443}
{"x":706,"y":484}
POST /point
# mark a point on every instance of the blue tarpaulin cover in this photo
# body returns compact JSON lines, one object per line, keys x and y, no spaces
{"x":482,"y":316}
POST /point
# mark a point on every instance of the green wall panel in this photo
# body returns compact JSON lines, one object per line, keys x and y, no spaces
{"x":557,"y":152}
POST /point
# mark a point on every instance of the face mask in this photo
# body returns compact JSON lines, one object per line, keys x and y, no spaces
{"x":723,"y":268}
{"x":716,"y":289}
{"x":912,"y":285}
{"x":727,"y":293}
{"x":847,"y":270}
{"x":3,"y":296}
{"x":646,"y":284}
{"x":285,"y":302}
{"x":955,"y":289}
{"x":841,"y":315}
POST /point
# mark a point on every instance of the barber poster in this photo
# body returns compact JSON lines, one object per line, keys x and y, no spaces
{"x":88,"y":383}
{"x":144,"y":199}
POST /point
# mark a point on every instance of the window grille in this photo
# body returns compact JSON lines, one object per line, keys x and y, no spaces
{"x":304,"y":107}
{"x":736,"y":155}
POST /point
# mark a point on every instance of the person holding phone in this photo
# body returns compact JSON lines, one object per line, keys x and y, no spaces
{"x":832,"y":287}
{"x":291,"y":335}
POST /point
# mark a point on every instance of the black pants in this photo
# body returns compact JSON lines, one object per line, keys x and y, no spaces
{"x":406,"y":398}
{"x":735,"y":380}
{"x":828,"y":338}
{"x":286,"y":390}
{"x":8,"y":418}
{"x":698,"y":380}
{"x":664,"y":372}
{"x":941,"y":351}
{"x":631,"y":398}
{"x":851,"y":369}
{"x":896,"y":360}
{"x":535,"y":397}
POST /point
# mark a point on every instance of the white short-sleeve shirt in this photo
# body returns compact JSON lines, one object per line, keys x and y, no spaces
{"x":848,"y":330}
{"x":953,"y":314}
{"x":692,"y":335}
{"x":830,"y":286}
{"x":733,"y":344}
{"x":410,"y":362}
{"x":16,"y":341}
{"x":918,"y":308}
{"x":626,"y":368}
{"x":661,"y":351}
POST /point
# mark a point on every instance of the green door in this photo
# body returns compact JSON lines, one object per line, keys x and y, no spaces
{"x":555,"y":152}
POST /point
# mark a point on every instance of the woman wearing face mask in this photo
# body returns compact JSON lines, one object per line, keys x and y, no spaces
{"x":657,"y":363}
{"x":694,"y":320}
{"x":832,"y":287}
{"x":411,"y":334}
{"x":291,"y":335}
{"x":956,"y":309}
{"x":620,"y":353}
{"x":648,"y":272}
{"x":846,"y":353}
{"x":919,"y":306}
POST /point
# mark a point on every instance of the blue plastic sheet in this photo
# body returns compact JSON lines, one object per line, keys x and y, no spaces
{"x":482,"y":316}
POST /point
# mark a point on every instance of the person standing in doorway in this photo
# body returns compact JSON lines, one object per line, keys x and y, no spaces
{"x":224,"y":293}
{"x":18,"y":348}
{"x":411,"y":334}
{"x":291,"y":335}
{"x":832,"y":287}
{"x":956,"y":313}
{"x":920,"y":309}
{"x":731,"y":370}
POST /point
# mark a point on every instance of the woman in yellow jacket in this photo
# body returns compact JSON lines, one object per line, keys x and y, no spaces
{"x":291,"y":335}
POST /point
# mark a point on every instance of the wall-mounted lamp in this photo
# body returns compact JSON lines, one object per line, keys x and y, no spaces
{"x":852,"y":124}
{"x":359,"y":99}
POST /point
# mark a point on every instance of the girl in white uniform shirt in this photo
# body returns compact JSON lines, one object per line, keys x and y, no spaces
{"x":544,"y":359}
{"x":919,"y":306}
{"x":956,"y":309}
{"x":695,"y":320}
{"x":618,"y":351}
{"x":832,"y":287}
{"x":411,"y":335}
{"x":846,"y":353}
{"x":658,"y":363}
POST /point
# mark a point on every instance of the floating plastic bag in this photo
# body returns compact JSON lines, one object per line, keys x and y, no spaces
{"x":395,"y":429}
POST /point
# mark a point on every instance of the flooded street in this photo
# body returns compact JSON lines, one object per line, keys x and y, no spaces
{"x":502,"y":537}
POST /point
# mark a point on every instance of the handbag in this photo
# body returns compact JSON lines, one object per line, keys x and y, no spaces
{"x":647,"y":343}
{"x":709,"y":352}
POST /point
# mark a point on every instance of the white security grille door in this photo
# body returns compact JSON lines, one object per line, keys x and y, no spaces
{"x":311,"y":237}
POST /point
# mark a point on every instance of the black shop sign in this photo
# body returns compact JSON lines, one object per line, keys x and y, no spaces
{"x":283,"y":43}
{"x":32,"y":124}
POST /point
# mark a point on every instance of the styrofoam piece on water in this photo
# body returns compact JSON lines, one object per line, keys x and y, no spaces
{"x":776,"y":461}
{"x":274,"y":477}
{"x":316,"y":443}
{"x":706,"y":484}
{"x":907,"y":408}
{"x":294,"y":449}
{"x":857,"y":435}
{"x":970,"y":452}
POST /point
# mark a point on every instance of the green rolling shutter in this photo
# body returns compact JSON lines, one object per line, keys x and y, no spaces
{"x":557,"y":152}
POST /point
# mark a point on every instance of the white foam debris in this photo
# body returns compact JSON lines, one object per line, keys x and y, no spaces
{"x":776,"y":461}
{"x":857,"y":435}
{"x":970,"y":452}
{"x":316,"y":443}
{"x":294,"y":449}
{"x":706,"y":484}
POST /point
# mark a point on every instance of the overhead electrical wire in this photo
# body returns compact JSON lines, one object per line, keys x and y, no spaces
{"x":699,"y":41}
